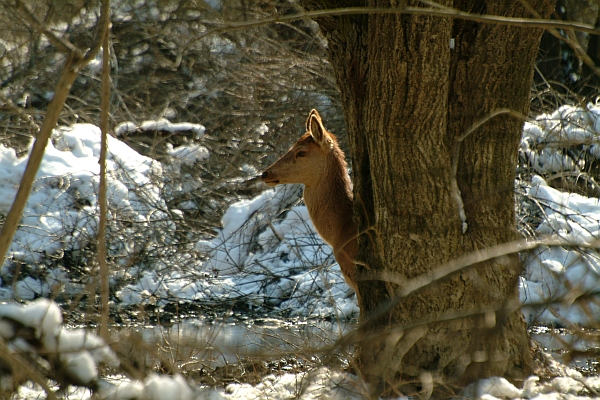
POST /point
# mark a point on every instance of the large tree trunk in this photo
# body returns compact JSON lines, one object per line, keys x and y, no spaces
{"x":407,"y":97}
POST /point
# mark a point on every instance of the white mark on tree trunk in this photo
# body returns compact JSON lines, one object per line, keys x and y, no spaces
{"x":461,"y":207}
{"x":456,"y":191}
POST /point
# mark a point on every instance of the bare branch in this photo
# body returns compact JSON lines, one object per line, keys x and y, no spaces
{"x":61,"y":44}
{"x":569,"y":39}
{"x":408,"y":286}
{"x":28,"y":119}
{"x":37,"y":153}
{"x":438,"y":11}
{"x":17,"y":361}
{"x":103,"y":26}
{"x":104,"y":113}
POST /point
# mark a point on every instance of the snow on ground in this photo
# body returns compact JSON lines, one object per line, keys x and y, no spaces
{"x":267,"y":254}
{"x":256,"y":259}
{"x":61,"y":217}
{"x":563,"y":143}
{"x":557,"y":276}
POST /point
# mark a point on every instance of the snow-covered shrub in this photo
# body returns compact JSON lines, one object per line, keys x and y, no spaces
{"x":564,"y":148}
{"x":560,"y":284}
{"x":267,"y":257}
{"x":559,"y":150}
{"x":34,"y":332}
{"x":55,"y":243}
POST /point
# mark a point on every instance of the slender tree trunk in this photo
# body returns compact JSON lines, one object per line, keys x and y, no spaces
{"x":408,"y":96}
{"x":102,"y":193}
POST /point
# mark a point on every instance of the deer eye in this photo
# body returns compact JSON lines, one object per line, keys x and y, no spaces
{"x":301,"y":154}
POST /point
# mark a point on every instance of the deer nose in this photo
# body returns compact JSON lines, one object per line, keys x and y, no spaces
{"x":264,"y":175}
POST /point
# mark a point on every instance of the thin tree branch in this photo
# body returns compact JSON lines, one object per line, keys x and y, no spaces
{"x":37,"y":153}
{"x":103,"y":27}
{"x":409,"y":286}
{"x":60,"y":43}
{"x":14,"y":360}
{"x":104,"y":114}
{"x":570,"y":39}
{"x":444,"y":12}
{"x":28,"y":119}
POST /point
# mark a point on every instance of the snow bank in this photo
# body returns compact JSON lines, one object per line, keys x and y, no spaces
{"x":61,"y":216}
{"x":564,"y":143}
{"x":556,"y":277}
{"x":313,"y":385}
{"x":266,"y":255}
{"x":545,"y":139}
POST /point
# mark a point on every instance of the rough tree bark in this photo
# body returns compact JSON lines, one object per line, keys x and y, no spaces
{"x":407,"y":97}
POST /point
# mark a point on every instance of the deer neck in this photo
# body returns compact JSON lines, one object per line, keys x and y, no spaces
{"x":329,"y":204}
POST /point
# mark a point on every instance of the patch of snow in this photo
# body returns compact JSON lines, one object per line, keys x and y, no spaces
{"x":555,"y":274}
{"x":189,"y":154}
{"x":161,"y":124}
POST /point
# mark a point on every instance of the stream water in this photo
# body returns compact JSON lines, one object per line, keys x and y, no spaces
{"x":215,"y":344}
{"x":577,"y":349}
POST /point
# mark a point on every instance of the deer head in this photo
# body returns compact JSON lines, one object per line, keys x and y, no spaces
{"x":306,"y":161}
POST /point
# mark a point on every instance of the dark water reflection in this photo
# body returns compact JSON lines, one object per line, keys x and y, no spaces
{"x":579,"y":349}
{"x":197,"y":343}
{"x":212,"y":344}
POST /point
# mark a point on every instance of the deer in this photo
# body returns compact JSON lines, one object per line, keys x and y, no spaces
{"x":318,"y":162}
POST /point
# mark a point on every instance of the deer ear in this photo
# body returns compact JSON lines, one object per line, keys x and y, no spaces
{"x":310,"y":115}
{"x":314,"y":125}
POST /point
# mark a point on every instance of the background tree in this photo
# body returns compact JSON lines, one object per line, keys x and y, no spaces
{"x":407,"y":97}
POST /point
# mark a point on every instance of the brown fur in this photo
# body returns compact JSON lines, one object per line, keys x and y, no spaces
{"x":317,"y":161}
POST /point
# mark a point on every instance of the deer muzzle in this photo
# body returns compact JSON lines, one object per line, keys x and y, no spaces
{"x":269,"y":179}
